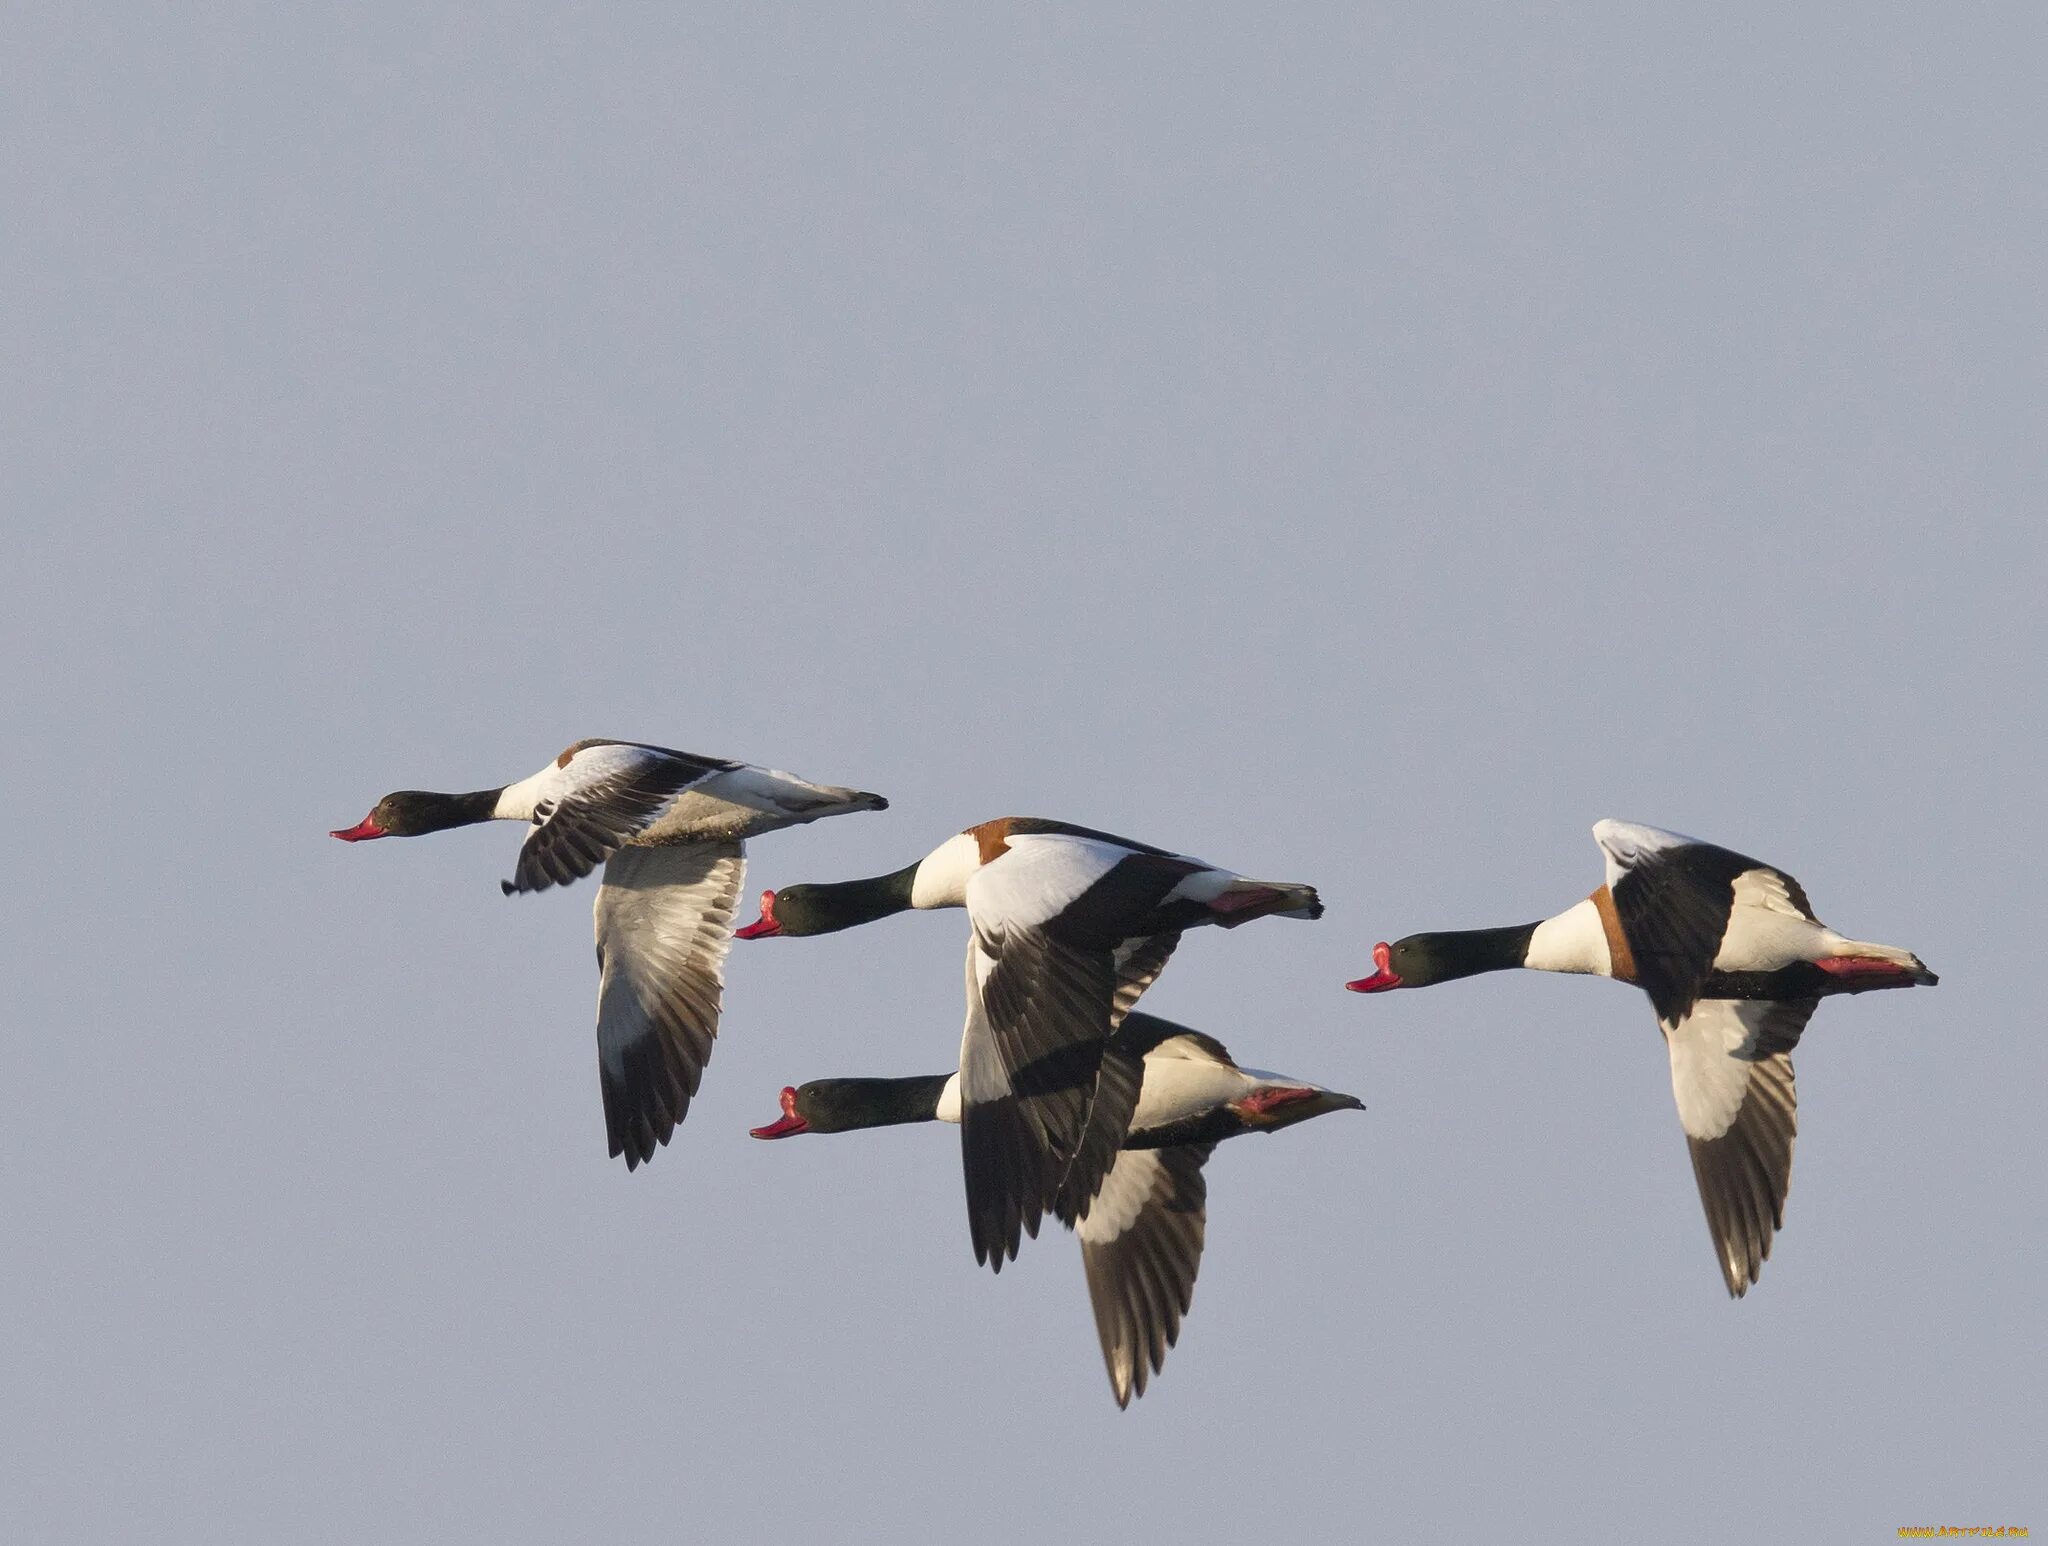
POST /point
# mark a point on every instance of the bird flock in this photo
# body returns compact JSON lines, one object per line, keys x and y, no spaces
{"x":1069,"y":1100}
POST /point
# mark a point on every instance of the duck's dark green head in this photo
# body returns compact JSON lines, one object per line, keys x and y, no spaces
{"x":794,"y":1118}
{"x":1390,"y":976}
{"x":1421,"y":960}
{"x":843,"y":1105}
{"x":828,"y":908}
{"x":412,"y":812}
{"x":793,"y":910}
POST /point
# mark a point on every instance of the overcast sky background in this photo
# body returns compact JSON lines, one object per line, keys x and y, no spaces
{"x":1354,"y":446}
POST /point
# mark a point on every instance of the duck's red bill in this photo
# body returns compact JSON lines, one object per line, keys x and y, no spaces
{"x":1382,"y":979}
{"x":361,"y":832}
{"x":763,"y":927}
{"x":788,"y":1124}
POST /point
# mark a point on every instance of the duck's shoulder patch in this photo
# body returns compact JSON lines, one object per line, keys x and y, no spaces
{"x":992,"y":838}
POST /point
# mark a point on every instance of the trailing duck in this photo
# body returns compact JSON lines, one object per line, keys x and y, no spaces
{"x":669,"y":828}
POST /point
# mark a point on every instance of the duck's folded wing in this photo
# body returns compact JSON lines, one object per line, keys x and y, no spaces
{"x":1731,"y":1072}
{"x":1038,"y":1021}
{"x":1673,"y":896}
{"x":664,"y":923}
{"x":606,"y":794}
{"x":1142,"y":1246}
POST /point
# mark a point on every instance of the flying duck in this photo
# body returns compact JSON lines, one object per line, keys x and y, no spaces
{"x":669,"y":829}
{"x":1734,"y":961}
{"x":1069,"y":926}
{"x":1141,"y":1243}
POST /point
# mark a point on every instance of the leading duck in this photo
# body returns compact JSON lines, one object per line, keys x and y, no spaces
{"x":1734,"y":962}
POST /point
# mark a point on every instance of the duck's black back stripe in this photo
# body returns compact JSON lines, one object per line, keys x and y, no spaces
{"x":1674,"y":907}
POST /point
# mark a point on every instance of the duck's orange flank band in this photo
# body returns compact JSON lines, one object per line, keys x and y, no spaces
{"x":1621,"y":961}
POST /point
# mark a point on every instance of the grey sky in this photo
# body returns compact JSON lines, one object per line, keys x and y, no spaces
{"x":1360,"y":448}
